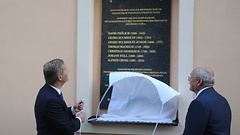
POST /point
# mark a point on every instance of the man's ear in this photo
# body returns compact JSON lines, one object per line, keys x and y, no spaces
{"x":199,"y":81}
{"x":60,"y":77}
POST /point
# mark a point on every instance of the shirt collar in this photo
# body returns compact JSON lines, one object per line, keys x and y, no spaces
{"x":201,"y":91}
{"x":57,"y":89}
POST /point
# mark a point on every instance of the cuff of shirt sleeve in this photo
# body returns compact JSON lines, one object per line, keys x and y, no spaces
{"x":73,"y":111}
{"x":80,"y":121}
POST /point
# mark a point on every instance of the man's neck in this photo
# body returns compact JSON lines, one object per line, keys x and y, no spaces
{"x":202,"y":90}
{"x":58,"y":85}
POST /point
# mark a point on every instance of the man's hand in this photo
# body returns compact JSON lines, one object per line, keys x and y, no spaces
{"x":79,"y":106}
{"x":82,"y":116}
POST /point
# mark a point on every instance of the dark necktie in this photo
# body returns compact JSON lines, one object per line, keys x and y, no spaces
{"x":61,"y":96}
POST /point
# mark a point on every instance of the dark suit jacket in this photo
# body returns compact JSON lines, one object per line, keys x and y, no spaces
{"x":53,"y":117}
{"x":208,"y":114}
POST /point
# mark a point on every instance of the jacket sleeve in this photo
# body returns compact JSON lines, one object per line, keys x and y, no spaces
{"x":60,"y":117}
{"x":196,"y":119}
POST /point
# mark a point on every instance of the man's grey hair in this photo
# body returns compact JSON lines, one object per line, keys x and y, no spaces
{"x":52,"y":70}
{"x":207,"y":77}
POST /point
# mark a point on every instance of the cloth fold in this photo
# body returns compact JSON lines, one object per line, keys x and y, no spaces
{"x":138,"y":97}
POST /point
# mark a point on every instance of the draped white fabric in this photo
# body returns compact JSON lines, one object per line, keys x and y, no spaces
{"x":140,"y":98}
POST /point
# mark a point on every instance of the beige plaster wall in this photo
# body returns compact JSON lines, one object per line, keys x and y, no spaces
{"x":216,"y":43}
{"x":33,"y":32}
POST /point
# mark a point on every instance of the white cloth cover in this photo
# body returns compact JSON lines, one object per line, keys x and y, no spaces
{"x":140,"y":98}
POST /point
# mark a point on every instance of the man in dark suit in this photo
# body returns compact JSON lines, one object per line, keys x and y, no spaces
{"x":53,"y":117}
{"x":209,"y":113}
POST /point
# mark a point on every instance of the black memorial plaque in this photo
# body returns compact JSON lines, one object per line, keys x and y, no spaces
{"x":135,"y":38}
